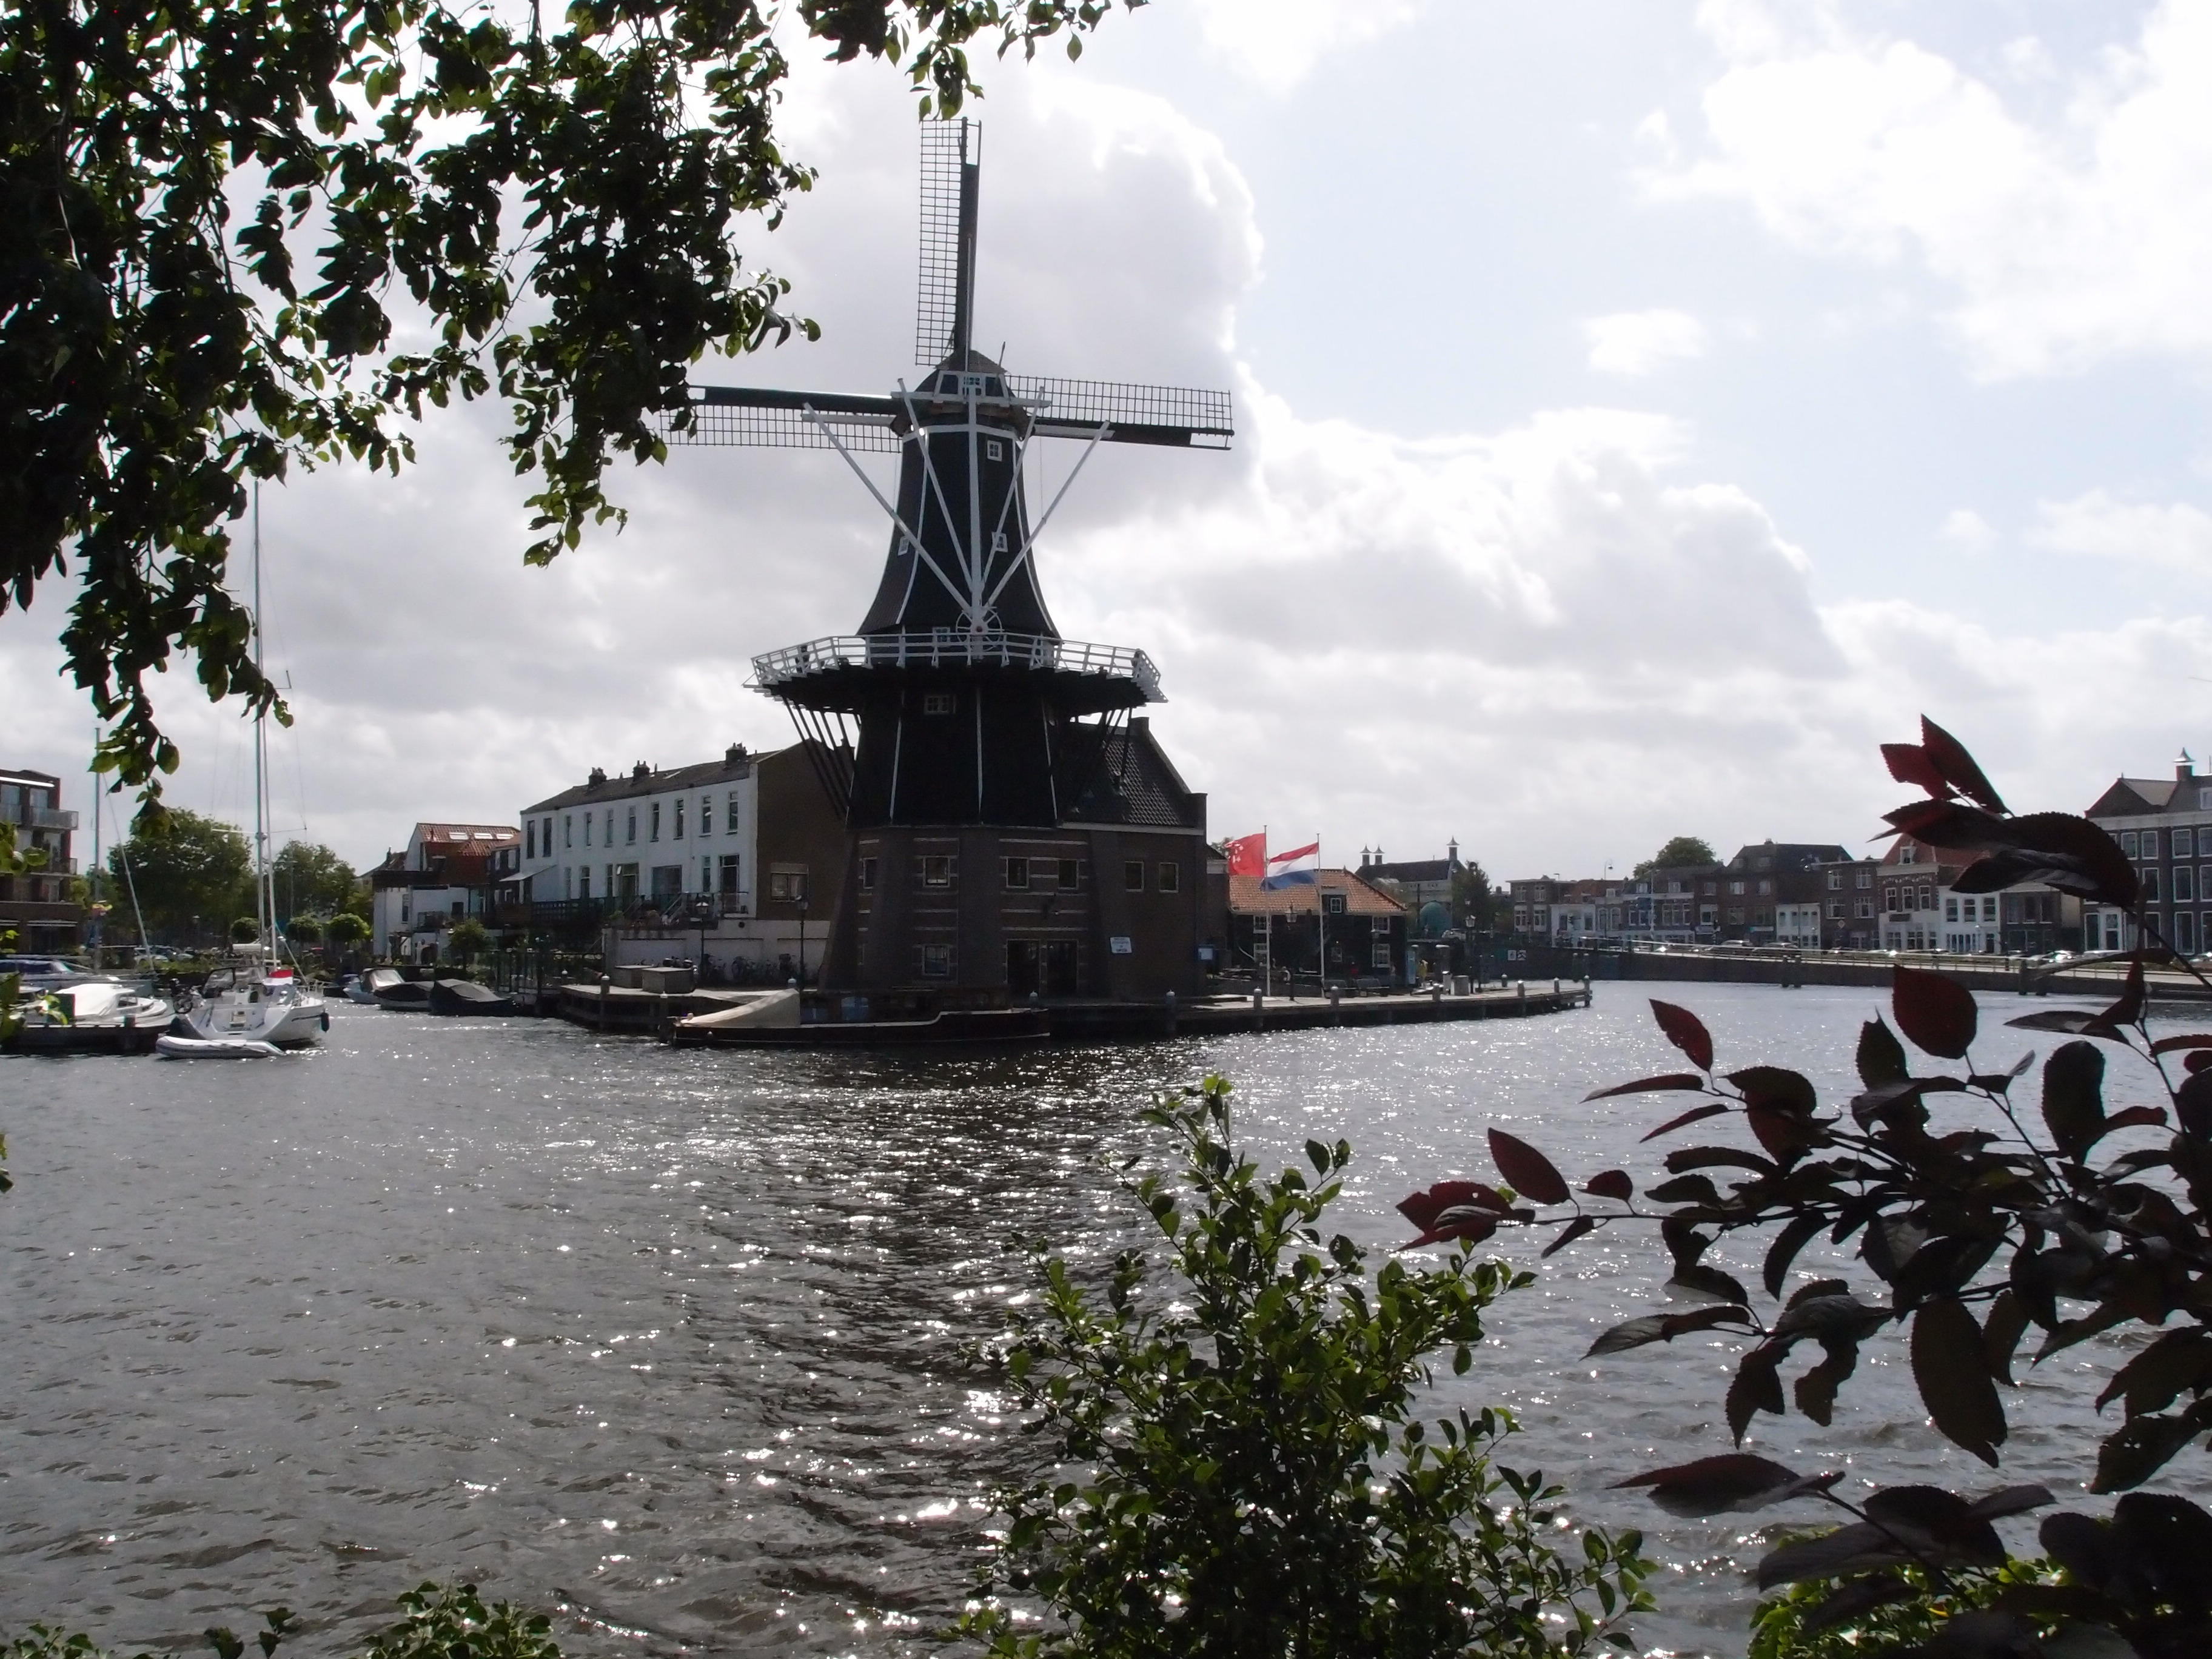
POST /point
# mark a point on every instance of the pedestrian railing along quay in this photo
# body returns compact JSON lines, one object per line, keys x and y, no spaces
{"x":952,"y":647}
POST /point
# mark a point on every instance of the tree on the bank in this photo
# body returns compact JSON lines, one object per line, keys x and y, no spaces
{"x":550,"y":198}
{"x":467,"y":940}
{"x":312,"y":880}
{"x":1683,"y":849}
{"x":189,"y":877}
{"x":1473,"y":901}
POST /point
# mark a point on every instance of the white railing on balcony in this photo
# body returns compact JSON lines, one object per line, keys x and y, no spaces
{"x":949,"y":648}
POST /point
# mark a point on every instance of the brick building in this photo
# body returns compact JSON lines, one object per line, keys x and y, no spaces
{"x":2165,"y":826}
{"x":36,"y":905}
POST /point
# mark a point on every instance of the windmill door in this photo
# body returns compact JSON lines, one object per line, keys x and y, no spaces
{"x":1059,"y":968}
{"x":1024,"y":968}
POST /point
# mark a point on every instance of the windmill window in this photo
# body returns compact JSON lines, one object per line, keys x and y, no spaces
{"x":998,"y":541}
{"x":937,"y":870}
{"x":994,"y":450}
{"x":1171,"y":878}
{"x":1133,"y":875}
{"x":935,"y":961}
{"x":867,"y":875}
{"x":1017,"y":873}
{"x":939,"y":703}
{"x":1071,"y":875}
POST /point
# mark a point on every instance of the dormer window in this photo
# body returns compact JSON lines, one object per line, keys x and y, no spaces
{"x":1909,"y":853}
{"x":939,"y":703}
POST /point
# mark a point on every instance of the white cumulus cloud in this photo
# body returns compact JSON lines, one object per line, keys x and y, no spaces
{"x":1639,"y":342}
{"x":2177,"y":536}
{"x":1278,"y":43}
{"x":2062,"y":241}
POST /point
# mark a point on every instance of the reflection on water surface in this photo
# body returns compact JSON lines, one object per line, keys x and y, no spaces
{"x":677,"y":1335}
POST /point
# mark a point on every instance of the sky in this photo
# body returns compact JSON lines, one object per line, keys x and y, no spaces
{"x":1643,"y":410}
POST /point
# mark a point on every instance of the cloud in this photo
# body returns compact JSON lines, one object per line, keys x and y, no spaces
{"x":2062,"y":242}
{"x":2178,"y":537}
{"x":1639,"y":342}
{"x":1968,"y":531}
{"x":1278,"y":43}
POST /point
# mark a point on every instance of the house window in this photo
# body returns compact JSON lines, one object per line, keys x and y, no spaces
{"x":1865,"y":879}
{"x":936,"y":961}
{"x":2185,"y":843}
{"x":1909,"y":854}
{"x":730,"y":817}
{"x":2128,"y":839}
{"x":705,"y":815}
{"x":1951,"y":909}
{"x":1865,"y":911}
{"x":939,"y":703}
{"x":867,"y":875}
{"x":2204,"y":800}
{"x":631,"y":827}
{"x":706,"y":873}
{"x":1766,"y":889}
{"x":1380,"y":955}
{"x":2150,"y":882}
{"x":2184,"y":885}
{"x":939,"y":870}
{"x":584,"y":878}
{"x":1171,"y":881}
{"x":1835,"y":909}
{"x":1736,"y":889}
{"x":1015,"y":874}
{"x":1331,"y":903}
{"x":1133,"y":875}
{"x":1835,"y":881}
{"x":2184,"y":932}
{"x":788,"y":886}
{"x":679,"y":818}
{"x":1071,"y":875}
{"x":569,"y":828}
{"x":727,"y":869}
{"x":655,"y":820}
{"x":2150,"y":843}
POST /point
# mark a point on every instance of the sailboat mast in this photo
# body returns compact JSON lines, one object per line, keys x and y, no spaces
{"x":265,"y":898}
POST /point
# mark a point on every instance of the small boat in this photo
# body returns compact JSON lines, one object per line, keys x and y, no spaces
{"x":465,"y":998}
{"x":362,"y":988}
{"x":261,"y":1001}
{"x":92,"y":1015}
{"x":405,"y":996}
{"x":173,"y":1047}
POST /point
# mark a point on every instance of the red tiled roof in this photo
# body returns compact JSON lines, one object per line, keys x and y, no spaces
{"x":1247,"y":897}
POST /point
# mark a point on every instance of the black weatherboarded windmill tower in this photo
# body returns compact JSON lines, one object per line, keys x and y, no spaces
{"x":1012,"y":827}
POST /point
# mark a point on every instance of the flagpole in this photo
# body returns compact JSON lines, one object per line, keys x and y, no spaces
{"x":1320,"y":911}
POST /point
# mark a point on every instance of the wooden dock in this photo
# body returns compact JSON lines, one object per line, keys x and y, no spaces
{"x":619,"y":1009}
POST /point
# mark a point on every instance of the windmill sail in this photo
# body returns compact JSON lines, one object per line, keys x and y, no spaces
{"x":951,"y":154}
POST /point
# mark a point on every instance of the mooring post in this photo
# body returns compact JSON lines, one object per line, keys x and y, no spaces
{"x":605,"y":996}
{"x":1171,"y":1013}
{"x":1523,"y":985}
{"x":1256,"y":1020}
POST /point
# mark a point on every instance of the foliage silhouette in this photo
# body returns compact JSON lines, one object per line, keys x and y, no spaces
{"x":1249,"y":1476}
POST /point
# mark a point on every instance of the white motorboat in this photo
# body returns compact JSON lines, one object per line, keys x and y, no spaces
{"x":364,"y":986}
{"x":173,"y":1047}
{"x":95,"y":1016}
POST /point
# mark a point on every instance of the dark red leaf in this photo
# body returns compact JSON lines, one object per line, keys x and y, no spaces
{"x":1690,"y":1116}
{"x":2074,"y":1096}
{"x":1526,"y":1170}
{"x":1568,"y":1234}
{"x":1774,"y":1086}
{"x":2010,"y":1500}
{"x":1612,"y":1183}
{"x":1950,"y":1367}
{"x":1647,"y":1085}
{"x":1832,"y":1554}
{"x":1950,"y":762}
{"x":2072,"y":1021}
{"x":1909,"y":763}
{"x":2193,"y":1101}
{"x":2081,"y":857}
{"x":1423,"y":1208}
{"x":1952,"y":827}
{"x":1935,"y":1014}
{"x":1733,"y":1481}
{"x":2186,"y":1040}
{"x":1665,"y":1328}
{"x":1686,"y":1032}
{"x":1881,"y":1056}
{"x":1709,"y":1282}
{"x":2129,"y":1008}
{"x":1461,"y":1222}
{"x":1756,"y":1386}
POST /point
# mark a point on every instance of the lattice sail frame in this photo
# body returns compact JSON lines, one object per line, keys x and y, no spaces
{"x":947,"y":147}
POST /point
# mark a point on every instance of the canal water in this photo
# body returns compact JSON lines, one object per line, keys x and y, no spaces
{"x":674,"y":1339}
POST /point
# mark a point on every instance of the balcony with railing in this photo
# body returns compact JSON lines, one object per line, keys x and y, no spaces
{"x":951,"y":647}
{"x":24,"y":816}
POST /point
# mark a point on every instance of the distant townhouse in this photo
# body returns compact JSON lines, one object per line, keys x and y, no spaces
{"x":1531,"y":904}
{"x":1848,"y":889}
{"x":35,"y":906}
{"x":1417,"y":883}
{"x":739,"y":860}
{"x":2165,"y":827}
{"x":447,"y":872}
{"x":1361,"y":926}
{"x":1762,"y":879}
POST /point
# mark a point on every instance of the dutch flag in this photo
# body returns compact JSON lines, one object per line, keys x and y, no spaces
{"x":1299,"y":868}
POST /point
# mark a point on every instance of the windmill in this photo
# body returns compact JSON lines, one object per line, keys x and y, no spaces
{"x":957,"y":707}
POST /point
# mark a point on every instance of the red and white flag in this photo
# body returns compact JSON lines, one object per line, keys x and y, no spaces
{"x":1248,"y":854}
